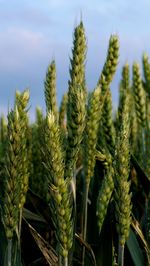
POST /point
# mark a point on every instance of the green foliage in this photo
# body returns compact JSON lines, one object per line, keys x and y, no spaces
{"x":38,"y":181}
{"x":74,"y":185}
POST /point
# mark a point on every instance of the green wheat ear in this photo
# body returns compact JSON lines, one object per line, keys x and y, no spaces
{"x":77,"y":69}
{"x":50,"y":89}
{"x":3,"y":129}
{"x":3,"y":144}
{"x":106,"y":190}
{"x":107,"y":130}
{"x":126,"y":76}
{"x":91,"y":132}
{"x":146,"y":85}
{"x":106,"y":127}
{"x":3,"y":140}
{"x":146,"y":71}
{"x":76,"y":105}
{"x":10,"y":211}
{"x":75,"y":124}
{"x":16,"y":169}
{"x":60,"y":203}
{"x":124,"y":87}
{"x":122,"y":170}
{"x":21,"y":103}
{"x":63,"y":111}
{"x":139,"y":95}
{"x":111,"y":60}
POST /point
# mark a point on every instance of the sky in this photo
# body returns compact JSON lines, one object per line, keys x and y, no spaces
{"x":33,"y":33}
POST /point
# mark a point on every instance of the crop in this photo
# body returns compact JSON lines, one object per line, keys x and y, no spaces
{"x":75,"y":184}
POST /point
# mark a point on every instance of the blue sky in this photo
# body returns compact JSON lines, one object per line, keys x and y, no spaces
{"x":32,"y":33}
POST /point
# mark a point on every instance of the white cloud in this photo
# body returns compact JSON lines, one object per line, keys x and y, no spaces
{"x":33,"y":17}
{"x":20,"y":45}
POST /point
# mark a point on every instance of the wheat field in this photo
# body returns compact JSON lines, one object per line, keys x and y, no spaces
{"x":75,"y":183}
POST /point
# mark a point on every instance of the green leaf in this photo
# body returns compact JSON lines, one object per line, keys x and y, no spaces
{"x":135,"y":250}
{"x":32,"y":216}
{"x":46,"y":249}
{"x":88,"y":248}
{"x":145,"y":182}
{"x":40,"y":206}
{"x":3,"y":243}
{"x":12,"y":255}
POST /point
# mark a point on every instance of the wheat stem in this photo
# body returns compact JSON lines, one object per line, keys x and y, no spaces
{"x":20,"y":223}
{"x":9,"y":254}
{"x":85,"y":214}
{"x":65,"y":261}
{"x":121,"y":255}
{"x":59,"y":260}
